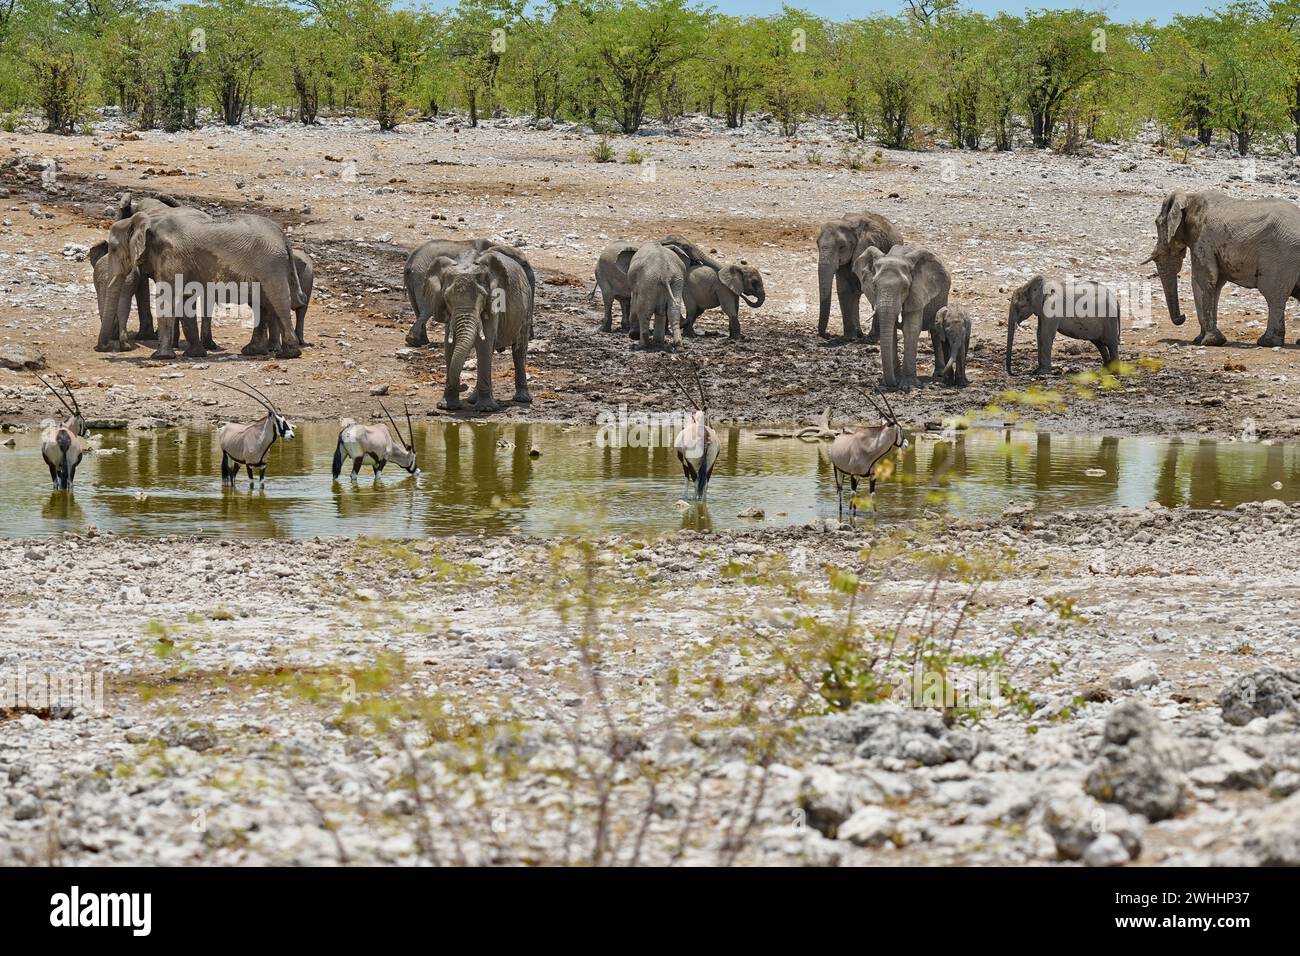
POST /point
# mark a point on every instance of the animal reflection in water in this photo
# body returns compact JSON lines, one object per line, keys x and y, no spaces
{"x":62,"y":446}
{"x":375,"y":442}
{"x":859,"y":453}
{"x":247,"y":444}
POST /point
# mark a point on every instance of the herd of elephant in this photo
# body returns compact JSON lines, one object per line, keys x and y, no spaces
{"x":483,"y":292}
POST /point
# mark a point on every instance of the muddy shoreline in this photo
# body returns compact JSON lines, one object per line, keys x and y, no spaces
{"x":781,"y":373}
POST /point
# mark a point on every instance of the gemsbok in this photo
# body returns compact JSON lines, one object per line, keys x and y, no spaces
{"x":375,"y":442}
{"x":859,"y":452}
{"x":697,"y":444}
{"x":63,"y":445}
{"x":247,"y":444}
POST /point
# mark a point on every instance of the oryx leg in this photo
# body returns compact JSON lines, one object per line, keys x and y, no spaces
{"x":356,"y":466}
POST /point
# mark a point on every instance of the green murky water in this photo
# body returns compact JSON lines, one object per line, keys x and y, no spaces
{"x":481,"y":478}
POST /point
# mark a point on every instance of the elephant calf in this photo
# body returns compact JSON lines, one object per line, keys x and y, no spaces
{"x":611,"y":280}
{"x":657,"y":277}
{"x":951,"y":343}
{"x":1078,"y":310}
{"x":709,"y":288}
{"x":907,"y":285}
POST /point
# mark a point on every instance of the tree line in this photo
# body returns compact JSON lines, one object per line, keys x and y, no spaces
{"x":932,"y":72}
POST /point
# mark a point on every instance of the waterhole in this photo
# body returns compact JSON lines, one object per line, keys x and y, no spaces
{"x":484,"y":478}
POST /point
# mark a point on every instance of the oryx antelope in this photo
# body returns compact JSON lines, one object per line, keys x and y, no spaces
{"x":248,"y":444}
{"x":857,"y":453}
{"x":697,"y":444}
{"x":63,"y":445}
{"x":375,"y":442}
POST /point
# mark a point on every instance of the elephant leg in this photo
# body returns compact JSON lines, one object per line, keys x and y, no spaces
{"x":147,"y":332}
{"x":519,"y":351}
{"x":259,"y":343}
{"x":849,"y":291}
{"x":167,"y":329}
{"x":1275,"y":333}
{"x":607,"y":325}
{"x":940,"y":354}
{"x":911,"y":333}
{"x":418,"y":334}
{"x":282,"y":316}
{"x":688,"y":325}
{"x":1206,"y":297}
{"x":733,"y":324}
{"x":206,"y":335}
{"x":300,"y":315}
{"x":625,"y":313}
{"x":482,"y":398}
{"x":193,"y":339}
{"x":1046,"y":336}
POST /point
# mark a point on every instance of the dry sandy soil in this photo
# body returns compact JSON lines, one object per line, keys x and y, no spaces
{"x":996,"y":219}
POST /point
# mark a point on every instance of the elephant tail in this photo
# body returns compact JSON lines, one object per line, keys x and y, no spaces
{"x":595,"y":283}
{"x":337,"y":468}
{"x":297,"y":298}
{"x":675,"y":296}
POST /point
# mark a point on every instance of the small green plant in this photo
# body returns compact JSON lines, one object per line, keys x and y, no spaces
{"x":634,"y":157}
{"x":9,"y":123}
{"x":603,"y":152}
{"x":812,"y":157}
{"x":877,"y":158}
{"x":854,"y":157}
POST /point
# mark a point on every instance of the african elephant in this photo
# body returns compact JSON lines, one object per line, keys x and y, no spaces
{"x":657,"y":278}
{"x":911,"y":283}
{"x":489,"y":303}
{"x":425,"y":261}
{"x":951,"y":343}
{"x":245,"y":256}
{"x":611,"y":279}
{"x":129,"y":205}
{"x":839,"y":243}
{"x":1248,"y":242}
{"x":1078,"y":310}
{"x":712,"y":284}
{"x":112,"y":320}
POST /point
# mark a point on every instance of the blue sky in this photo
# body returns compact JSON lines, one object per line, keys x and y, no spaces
{"x":1128,"y":11}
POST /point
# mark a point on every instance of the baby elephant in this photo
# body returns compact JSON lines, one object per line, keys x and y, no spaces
{"x":1079,"y":310}
{"x":951,"y":342}
{"x":725,"y":288}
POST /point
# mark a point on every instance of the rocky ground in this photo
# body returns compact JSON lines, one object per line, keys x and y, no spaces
{"x":491,"y":700}
{"x":358,"y":201}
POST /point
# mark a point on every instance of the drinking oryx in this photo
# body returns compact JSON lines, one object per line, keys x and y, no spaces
{"x":375,"y":442}
{"x":857,"y":453}
{"x":63,"y":445}
{"x":697,"y":444}
{"x":248,"y":444}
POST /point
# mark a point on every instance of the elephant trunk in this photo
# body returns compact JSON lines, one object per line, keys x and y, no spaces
{"x":826,"y":267}
{"x":888,"y":306}
{"x":758,"y":299}
{"x":466,"y":326}
{"x":1167,"y":267}
{"x":1012,"y":322}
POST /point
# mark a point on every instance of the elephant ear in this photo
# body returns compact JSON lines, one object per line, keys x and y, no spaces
{"x":498,"y":266}
{"x":733,"y":278}
{"x":929,"y":278}
{"x":864,"y":267}
{"x":625,"y":259}
{"x":941,"y":315}
{"x":433,"y":285}
{"x":124,"y":204}
{"x":1170,"y":219}
{"x":126,"y":243}
{"x":97,"y":252}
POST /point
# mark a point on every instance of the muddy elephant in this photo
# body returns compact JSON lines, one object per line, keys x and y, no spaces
{"x":197,"y":263}
{"x":1248,"y":242}
{"x":952,"y":325}
{"x":1083,"y":310}
{"x":488,"y":299}
{"x":425,"y":262}
{"x":155,"y":207}
{"x":907,"y":283}
{"x":657,"y":278}
{"x":839,"y":243}
{"x":611,"y":280}
{"x":112,"y":318}
{"x":713,"y":284}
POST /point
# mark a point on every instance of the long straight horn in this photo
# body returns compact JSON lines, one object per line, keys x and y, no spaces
{"x":872,"y":402}
{"x":75,"y":404}
{"x":888,"y":407}
{"x":396,"y":431}
{"x":684,"y":390}
{"x":270,"y":405}
{"x":410,"y":429}
{"x":699,"y":383}
{"x":247,"y":395}
{"x":55,"y":393}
